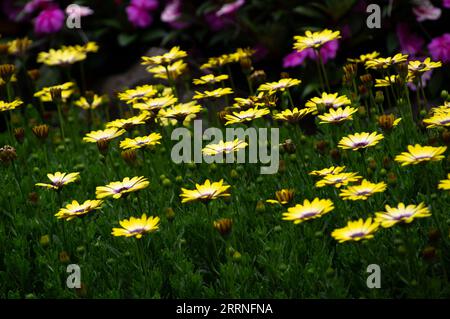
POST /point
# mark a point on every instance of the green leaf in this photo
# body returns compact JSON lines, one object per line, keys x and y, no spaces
{"x":154,"y":35}
{"x":125,"y":39}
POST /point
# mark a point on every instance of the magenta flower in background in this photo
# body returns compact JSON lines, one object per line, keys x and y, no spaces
{"x":439,"y":48}
{"x":410,"y":43}
{"x":446,"y":3}
{"x":172,"y":15}
{"x":49,"y":20}
{"x":328,"y":51}
{"x":230,"y":8}
{"x":34,"y":5}
{"x":139,"y":17}
{"x":295,"y":58}
{"x":81,"y":11}
{"x":149,"y":5}
{"x":426,"y":11}
{"x":224,"y":15}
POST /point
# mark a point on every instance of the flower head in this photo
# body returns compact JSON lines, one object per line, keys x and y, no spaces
{"x":173,"y":55}
{"x":416,"y":66}
{"x":333,"y":170}
{"x":128,"y":123}
{"x":245,"y":116}
{"x":89,"y":102}
{"x":210,"y":79}
{"x":9,"y":106}
{"x":439,"y":48}
{"x":63,"y":56}
{"x":58,"y":180}
{"x":338,"y":180}
{"x":445,"y":183}
{"x":66,"y":90}
{"x":280,"y":86}
{"x":137,"y":227}
{"x":175,"y":70}
{"x":156,"y":104}
{"x":141,"y":141}
{"x":315,"y":40}
{"x":326,"y":101}
{"x":181,"y":111}
{"x":365,"y":57}
{"x":103,"y":135}
{"x":291,"y":116}
{"x":138,"y":94}
{"x":205,"y":192}
{"x":337,"y":115}
{"x":75,"y":209}
{"x":362,"y":191}
{"x":122,"y":188}
{"x":360,"y":140}
{"x":418,"y":154}
{"x":356,"y":230}
{"x":224,"y":147}
{"x":212,"y":94}
{"x":309,"y":210}
{"x":283,"y":197}
{"x":401,"y":214}
{"x":388,"y":122}
{"x":49,"y":20}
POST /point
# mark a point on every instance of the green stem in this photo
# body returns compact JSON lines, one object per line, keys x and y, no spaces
{"x":61,"y":120}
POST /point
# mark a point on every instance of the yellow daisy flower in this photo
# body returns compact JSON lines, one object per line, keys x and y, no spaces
{"x":291,"y":116}
{"x":261,"y":100}
{"x":206,"y":192}
{"x":19,"y":46}
{"x":122,"y":188}
{"x":445,"y":183}
{"x":384,"y":63}
{"x":441,"y":119}
{"x":173,"y":55}
{"x":58,"y":180}
{"x":138,"y":94}
{"x":141,"y":141}
{"x":155,"y":104}
{"x":90,"y":102}
{"x":337,"y":115}
{"x":326,"y":101}
{"x":210,"y":79}
{"x":175,"y":70}
{"x":417,"y":67}
{"x":75,"y":209}
{"x":333,"y":170}
{"x":360,"y":140}
{"x":137,"y":227}
{"x":181,"y":111}
{"x":103,"y":135}
{"x":280,"y":86}
{"x":128,"y":123}
{"x":224,"y":147}
{"x":212,"y":94}
{"x":245,"y":116}
{"x":9,"y":106}
{"x":338,"y":180}
{"x":363,"y":58}
{"x":61,"y":57}
{"x":309,"y":210}
{"x":283,"y":197}
{"x":315,"y":40}
{"x":356,"y":230}
{"x":401,"y":214}
{"x":67,"y":90}
{"x":418,"y":154}
{"x":362,"y":191}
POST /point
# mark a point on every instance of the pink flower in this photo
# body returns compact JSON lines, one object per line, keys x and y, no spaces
{"x":230,"y":8}
{"x":410,"y":43}
{"x":446,"y":3}
{"x":295,"y":58}
{"x":426,"y":11}
{"x":328,"y":50}
{"x":172,"y":15}
{"x":439,"y":48}
{"x":34,"y":5}
{"x":49,"y":20}
{"x":149,"y":5}
{"x":139,"y":17}
{"x":216,"y":23}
